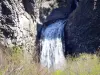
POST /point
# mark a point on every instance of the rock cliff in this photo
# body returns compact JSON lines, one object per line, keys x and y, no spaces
{"x":19,"y":20}
{"x":82,"y":31}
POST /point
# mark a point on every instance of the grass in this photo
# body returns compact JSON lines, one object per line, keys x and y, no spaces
{"x":85,"y":64}
{"x":14,"y":63}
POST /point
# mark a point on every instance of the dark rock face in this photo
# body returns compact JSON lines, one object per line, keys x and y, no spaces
{"x":82,"y":31}
{"x":62,"y":12}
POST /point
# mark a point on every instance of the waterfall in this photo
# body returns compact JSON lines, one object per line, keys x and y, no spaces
{"x":52,"y":53}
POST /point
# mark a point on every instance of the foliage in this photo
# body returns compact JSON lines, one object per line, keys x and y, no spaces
{"x":16,"y":53}
{"x":59,"y":72}
{"x":84,"y":64}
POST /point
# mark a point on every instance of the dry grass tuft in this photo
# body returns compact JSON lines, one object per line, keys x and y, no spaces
{"x":12,"y":62}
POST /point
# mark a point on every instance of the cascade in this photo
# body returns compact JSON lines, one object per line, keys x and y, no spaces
{"x":52,"y":52}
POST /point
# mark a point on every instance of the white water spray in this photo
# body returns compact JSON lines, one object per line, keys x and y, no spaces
{"x":52,"y":54}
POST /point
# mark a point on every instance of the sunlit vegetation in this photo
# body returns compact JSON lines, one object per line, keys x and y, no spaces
{"x":14,"y":63}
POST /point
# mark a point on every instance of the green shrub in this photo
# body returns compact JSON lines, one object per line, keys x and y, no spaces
{"x":59,"y":72}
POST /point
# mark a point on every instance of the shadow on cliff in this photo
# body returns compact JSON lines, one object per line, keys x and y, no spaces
{"x":82,"y":30}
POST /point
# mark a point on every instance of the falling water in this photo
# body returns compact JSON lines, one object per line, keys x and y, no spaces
{"x":52,"y":54}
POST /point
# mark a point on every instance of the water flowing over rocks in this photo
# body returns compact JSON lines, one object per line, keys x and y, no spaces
{"x":52,"y":54}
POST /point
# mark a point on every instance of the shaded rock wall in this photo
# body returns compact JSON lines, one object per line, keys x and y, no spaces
{"x":82,"y":31}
